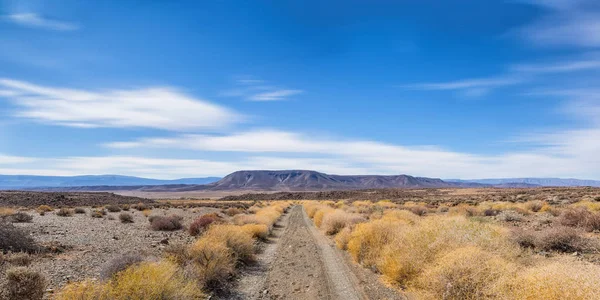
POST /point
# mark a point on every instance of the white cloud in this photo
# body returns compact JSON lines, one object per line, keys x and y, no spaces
{"x":155,"y":107}
{"x":35,"y":20}
{"x":274,"y":95}
{"x":467,"y":83}
{"x":566,"y":23}
{"x":254,"y":89}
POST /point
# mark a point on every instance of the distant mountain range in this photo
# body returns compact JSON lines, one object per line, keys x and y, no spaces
{"x":286,"y":180}
{"x":29,"y":181}
{"x":298,"y":180}
{"x":559,"y":182}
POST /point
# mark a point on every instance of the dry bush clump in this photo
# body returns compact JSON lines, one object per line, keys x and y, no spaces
{"x":13,"y":239}
{"x":535,"y":206}
{"x":559,"y":239}
{"x":367,"y":240}
{"x":21,"y":217}
{"x":580,"y":217}
{"x":418,"y":210}
{"x":510,"y":216}
{"x":257,"y":231}
{"x":147,"y":280}
{"x":21,"y":259}
{"x":6,"y":211}
{"x":200,"y":224}
{"x":232,"y":236}
{"x":146,"y":212}
{"x":44,"y":208}
{"x":141,"y":206}
{"x":342,"y":238}
{"x":119,"y":264}
{"x":79,"y":210}
{"x":113,"y":208}
{"x":126,"y":217}
{"x":213,"y":263}
{"x":554,"y":281}
{"x":168,"y":223}
{"x":338,"y":219}
{"x":24,"y":284}
{"x":97,"y":213}
{"x":465,"y":273}
{"x":64,"y":212}
{"x":232,"y":211}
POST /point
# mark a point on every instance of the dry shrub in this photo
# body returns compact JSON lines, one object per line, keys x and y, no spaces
{"x":342,"y":238}
{"x":21,"y":217}
{"x":555,"y":281}
{"x":119,"y":264}
{"x":177,"y":253}
{"x":562,"y":239}
{"x":141,"y":206}
{"x":232,"y":211}
{"x":465,"y":210}
{"x":510,"y":216}
{"x":20,"y":259}
{"x":236,"y":239}
{"x":113,"y":208}
{"x":367,"y":240}
{"x":400,"y":215}
{"x":13,"y":239}
{"x":535,"y":206}
{"x":126,"y":217}
{"x":24,"y":284}
{"x":6,"y":211}
{"x":147,"y":280}
{"x":334,"y":221}
{"x":257,"y":231}
{"x":44,"y":208}
{"x":412,"y":248}
{"x":320,"y":214}
{"x":168,"y":223}
{"x":79,"y":210}
{"x":213,"y":262}
{"x":242,"y":219}
{"x":64,"y":212}
{"x":418,"y":210}
{"x":126,"y":207}
{"x":201,"y":223}
{"x":97,"y":213}
{"x":465,"y":273}
{"x":146,"y":212}
{"x":580,"y":217}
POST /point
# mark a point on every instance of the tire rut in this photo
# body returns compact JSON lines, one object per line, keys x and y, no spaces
{"x":307,"y":267}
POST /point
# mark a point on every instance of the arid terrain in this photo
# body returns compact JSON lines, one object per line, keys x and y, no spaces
{"x":541,"y":243}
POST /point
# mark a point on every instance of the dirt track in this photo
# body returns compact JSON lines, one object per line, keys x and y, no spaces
{"x":303,"y":264}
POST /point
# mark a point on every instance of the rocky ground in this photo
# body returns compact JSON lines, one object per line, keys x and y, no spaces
{"x":90,"y":243}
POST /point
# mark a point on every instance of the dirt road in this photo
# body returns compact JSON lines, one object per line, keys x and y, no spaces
{"x":302,"y":263}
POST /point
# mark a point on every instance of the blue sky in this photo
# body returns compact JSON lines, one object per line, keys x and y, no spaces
{"x":168,"y":89}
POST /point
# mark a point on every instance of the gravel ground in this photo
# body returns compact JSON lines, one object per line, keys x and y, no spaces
{"x":92,"y":242}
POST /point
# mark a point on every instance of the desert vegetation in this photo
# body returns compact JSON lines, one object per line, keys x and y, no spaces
{"x":189,"y":271}
{"x":486,"y":249}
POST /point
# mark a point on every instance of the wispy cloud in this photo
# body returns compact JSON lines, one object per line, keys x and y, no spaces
{"x":254,"y":89}
{"x":274,"y":95}
{"x":568,"y":152}
{"x":38,"y":21}
{"x":154,"y":107}
{"x":566,"y":23}
{"x":471,"y":83}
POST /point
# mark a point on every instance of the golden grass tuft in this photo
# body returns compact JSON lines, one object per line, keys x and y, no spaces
{"x":464,"y":273}
{"x":149,"y":280}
